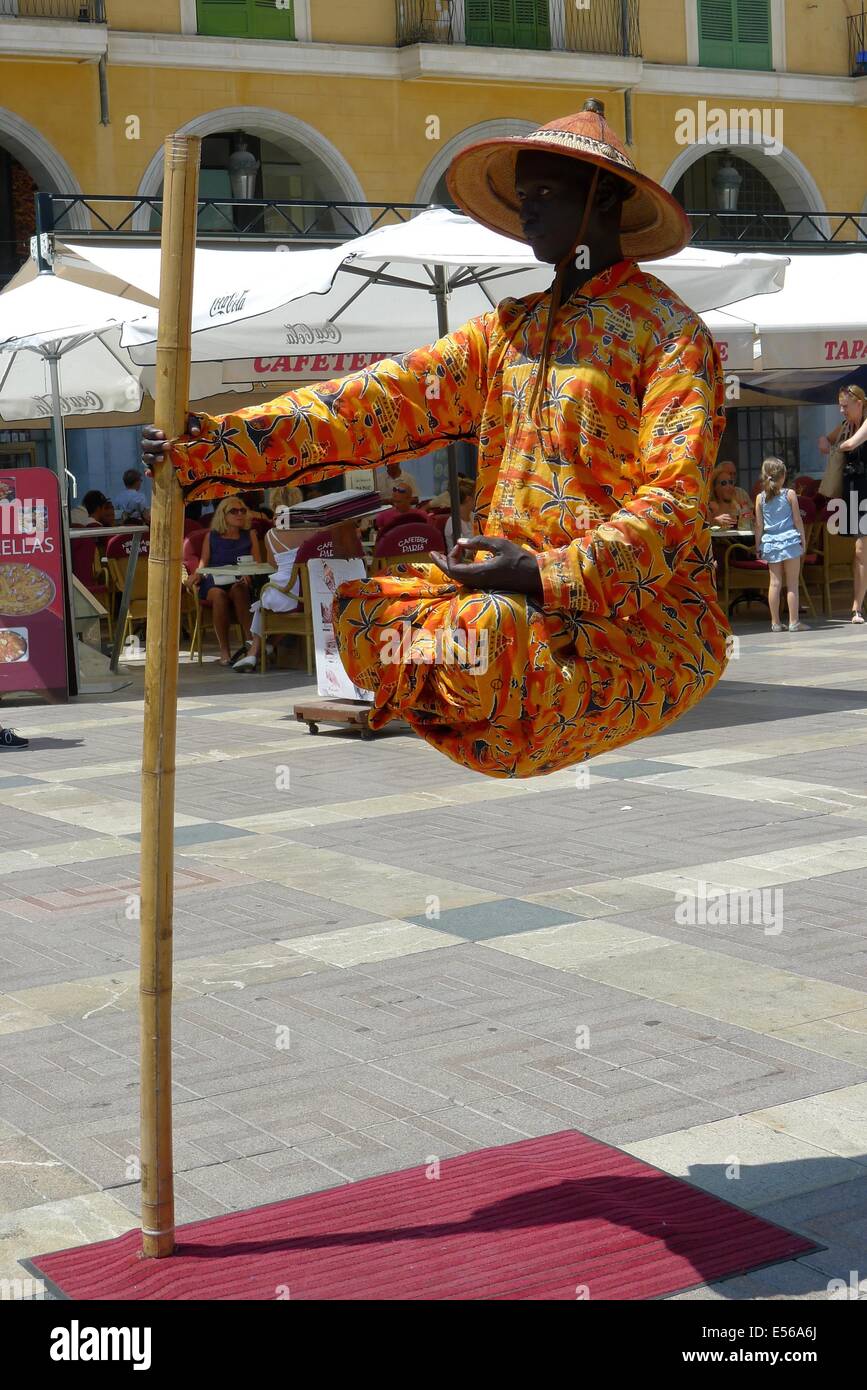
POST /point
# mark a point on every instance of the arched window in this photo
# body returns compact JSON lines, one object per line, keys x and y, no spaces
{"x":17,"y":214}
{"x":286,"y":159}
{"x":28,"y":164}
{"x":696,"y":191}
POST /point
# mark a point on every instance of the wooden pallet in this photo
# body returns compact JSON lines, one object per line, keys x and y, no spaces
{"x":355,"y":713}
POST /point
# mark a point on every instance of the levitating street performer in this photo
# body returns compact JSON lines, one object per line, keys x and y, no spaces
{"x":597,"y":409}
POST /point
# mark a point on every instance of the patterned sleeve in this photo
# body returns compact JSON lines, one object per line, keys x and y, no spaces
{"x":397,"y":409}
{"x":627,"y":561}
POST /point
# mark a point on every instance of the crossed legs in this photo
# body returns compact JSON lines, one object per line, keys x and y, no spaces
{"x":224,"y":603}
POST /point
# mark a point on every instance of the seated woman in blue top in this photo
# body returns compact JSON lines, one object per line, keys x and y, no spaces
{"x":229,"y":540}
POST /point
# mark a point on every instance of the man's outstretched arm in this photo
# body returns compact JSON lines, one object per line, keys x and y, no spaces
{"x":397,"y":409}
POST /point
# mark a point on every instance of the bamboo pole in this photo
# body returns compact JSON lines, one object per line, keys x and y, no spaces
{"x":180,"y":193}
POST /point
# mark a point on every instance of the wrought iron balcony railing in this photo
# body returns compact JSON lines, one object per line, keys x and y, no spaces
{"x":84,"y":11}
{"x":858,"y":44}
{"x":276,"y":219}
{"x":605,"y":26}
{"x":778,"y":231}
{"x":77,"y":217}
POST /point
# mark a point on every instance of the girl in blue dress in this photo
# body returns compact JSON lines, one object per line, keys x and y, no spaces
{"x":780,"y":540}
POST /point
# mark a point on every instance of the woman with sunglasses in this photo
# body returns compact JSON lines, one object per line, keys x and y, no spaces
{"x":229,"y":540}
{"x":729,"y":506}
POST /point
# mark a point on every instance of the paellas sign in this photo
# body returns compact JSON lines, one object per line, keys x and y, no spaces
{"x":320,"y":366}
{"x":33,"y":652}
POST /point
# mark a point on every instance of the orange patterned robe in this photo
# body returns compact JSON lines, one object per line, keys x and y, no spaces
{"x":609,"y":489}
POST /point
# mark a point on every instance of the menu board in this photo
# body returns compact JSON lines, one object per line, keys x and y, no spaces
{"x":33,"y":637}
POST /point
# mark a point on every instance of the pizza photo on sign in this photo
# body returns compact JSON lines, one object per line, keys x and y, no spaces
{"x":13,"y":645}
{"x":24,"y":590}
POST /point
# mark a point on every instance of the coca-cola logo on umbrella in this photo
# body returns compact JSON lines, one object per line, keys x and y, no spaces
{"x":86,"y":404}
{"x":312,"y":333}
{"x":229,"y":303}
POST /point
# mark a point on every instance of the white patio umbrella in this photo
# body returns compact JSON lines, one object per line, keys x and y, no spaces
{"x":816,"y":322}
{"x":241,"y":295}
{"x":48,"y":322}
{"x":382,"y":293}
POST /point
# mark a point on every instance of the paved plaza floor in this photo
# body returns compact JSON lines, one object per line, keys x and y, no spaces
{"x":381,"y":958}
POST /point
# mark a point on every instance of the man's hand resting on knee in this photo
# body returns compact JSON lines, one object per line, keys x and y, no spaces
{"x":510,"y":568}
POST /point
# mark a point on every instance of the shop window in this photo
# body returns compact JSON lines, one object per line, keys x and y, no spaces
{"x":735,"y":34}
{"x":508,"y":23}
{"x":247,"y":19}
{"x":761,"y":434}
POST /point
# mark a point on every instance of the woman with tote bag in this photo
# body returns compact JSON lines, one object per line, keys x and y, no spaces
{"x":845,"y":477}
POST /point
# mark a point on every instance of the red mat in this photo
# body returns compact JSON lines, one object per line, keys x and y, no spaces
{"x":562,"y":1217}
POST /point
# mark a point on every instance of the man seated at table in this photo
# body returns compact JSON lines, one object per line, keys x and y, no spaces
{"x":85,"y":553}
{"x":99,"y":508}
{"x":131,"y":505}
{"x":392,"y":476}
{"x":404,"y":507}
{"x":729,"y":506}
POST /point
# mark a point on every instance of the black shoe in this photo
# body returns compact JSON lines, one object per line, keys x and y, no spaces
{"x":10,"y":740}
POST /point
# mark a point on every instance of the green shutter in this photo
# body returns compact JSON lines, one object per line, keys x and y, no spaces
{"x":478,"y":22}
{"x":716,"y":33}
{"x":246,"y":19}
{"x":270,"y":22}
{"x":753,"y":34}
{"x":503,"y":23}
{"x":225,"y":18}
{"x":508,"y":23}
{"x":531,"y":26}
{"x":734,"y":33}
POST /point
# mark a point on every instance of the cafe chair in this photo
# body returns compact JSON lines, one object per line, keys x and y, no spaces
{"x":742,"y":575}
{"x":836,"y":557}
{"x":298,"y":623}
{"x":411,"y":542}
{"x":811,"y":565}
{"x":89,"y":570}
{"x":202,"y":617}
{"x":319,"y":546}
{"x":117,"y":553}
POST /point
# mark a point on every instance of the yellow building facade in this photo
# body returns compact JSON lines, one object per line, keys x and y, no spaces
{"x":366,"y":100}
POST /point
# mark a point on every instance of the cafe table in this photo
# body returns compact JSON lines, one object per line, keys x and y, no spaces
{"x":96,"y":533}
{"x":743,"y":536}
{"x":227,"y":574}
